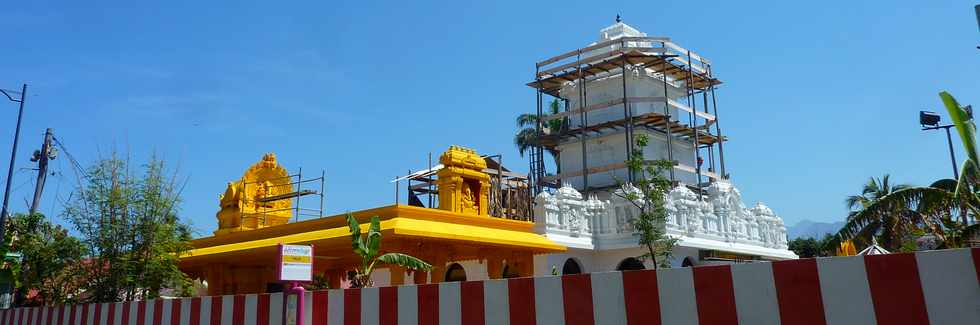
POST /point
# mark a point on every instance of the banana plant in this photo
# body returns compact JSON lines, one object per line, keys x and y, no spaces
{"x":967,"y":185}
{"x":368,"y":247}
{"x":932,"y":207}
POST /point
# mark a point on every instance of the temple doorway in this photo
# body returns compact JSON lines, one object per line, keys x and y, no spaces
{"x":455,"y":273}
{"x":687,"y":262}
{"x":629,"y":264}
{"x":571,"y":267}
{"x":510,"y":272}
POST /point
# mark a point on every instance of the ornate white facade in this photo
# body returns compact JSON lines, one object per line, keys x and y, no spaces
{"x":719,"y":221}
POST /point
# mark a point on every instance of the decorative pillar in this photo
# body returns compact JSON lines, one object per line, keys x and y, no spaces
{"x":495,"y":267}
{"x":419,"y":277}
{"x":215,"y":277}
{"x":439,"y":267}
{"x":484,"y":197}
{"x":397,"y":275}
{"x":335,"y":277}
{"x":522,"y":262}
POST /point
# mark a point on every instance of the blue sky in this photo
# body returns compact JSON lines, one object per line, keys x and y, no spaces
{"x":816,"y":99}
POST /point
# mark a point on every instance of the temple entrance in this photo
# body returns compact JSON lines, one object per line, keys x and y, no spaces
{"x":630,"y":264}
{"x":510,"y":272}
{"x":455,"y":273}
{"x":571,"y":267}
{"x":687,"y":262}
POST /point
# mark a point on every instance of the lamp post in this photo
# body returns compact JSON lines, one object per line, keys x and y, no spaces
{"x":930,"y":121}
{"x":13,"y":155}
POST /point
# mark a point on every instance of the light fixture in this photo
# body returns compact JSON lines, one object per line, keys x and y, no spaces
{"x":927,"y":118}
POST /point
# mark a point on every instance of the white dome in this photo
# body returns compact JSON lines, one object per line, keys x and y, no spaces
{"x":567,"y":192}
{"x":543,"y":195}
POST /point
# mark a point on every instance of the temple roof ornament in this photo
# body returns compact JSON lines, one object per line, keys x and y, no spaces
{"x":568,"y":192}
{"x":463,"y":186}
{"x":245,"y":204}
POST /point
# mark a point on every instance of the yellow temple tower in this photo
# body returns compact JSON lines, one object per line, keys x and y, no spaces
{"x":255,"y":201}
{"x":463,"y":186}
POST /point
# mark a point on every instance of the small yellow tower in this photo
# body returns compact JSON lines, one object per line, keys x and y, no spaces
{"x":846,"y":249}
{"x":463,"y":186}
{"x":250,"y":203}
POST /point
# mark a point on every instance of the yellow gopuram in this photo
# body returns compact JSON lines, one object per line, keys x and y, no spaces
{"x":460,"y":237}
{"x":252,"y":202}
{"x":463,"y":186}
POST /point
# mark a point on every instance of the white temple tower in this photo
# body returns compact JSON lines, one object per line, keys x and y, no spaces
{"x":611,"y":92}
{"x":589,"y":83}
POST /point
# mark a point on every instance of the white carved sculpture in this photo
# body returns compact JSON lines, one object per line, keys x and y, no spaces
{"x":623,"y":209}
{"x":572,"y":208}
{"x":685,"y":210}
{"x":709,"y":220}
{"x":546,"y":209}
{"x":718,"y":215}
{"x":595,"y":211}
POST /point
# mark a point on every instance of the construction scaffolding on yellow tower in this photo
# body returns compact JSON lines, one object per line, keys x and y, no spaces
{"x":266,"y":195}
{"x":467,"y":181}
{"x":241,"y":258}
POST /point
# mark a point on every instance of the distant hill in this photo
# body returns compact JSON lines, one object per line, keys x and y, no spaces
{"x":808,"y":228}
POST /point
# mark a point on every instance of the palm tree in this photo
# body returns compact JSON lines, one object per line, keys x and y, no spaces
{"x":527,"y":130}
{"x":874,"y":189}
{"x":890,"y":223}
{"x":931,"y":208}
{"x":369,"y":249}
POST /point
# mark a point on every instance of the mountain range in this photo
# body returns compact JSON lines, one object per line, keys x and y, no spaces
{"x":808,"y":228}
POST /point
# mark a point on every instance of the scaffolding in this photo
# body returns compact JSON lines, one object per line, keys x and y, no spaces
{"x":657,"y":57}
{"x":509,"y":197}
{"x":277,"y":194}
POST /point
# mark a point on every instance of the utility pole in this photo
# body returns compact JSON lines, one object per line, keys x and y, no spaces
{"x":13,"y":157}
{"x":42,"y":156}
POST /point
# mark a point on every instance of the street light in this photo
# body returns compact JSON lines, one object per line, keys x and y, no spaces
{"x":13,"y":154}
{"x":930,"y":121}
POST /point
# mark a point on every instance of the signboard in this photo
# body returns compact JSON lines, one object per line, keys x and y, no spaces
{"x":296,"y":263}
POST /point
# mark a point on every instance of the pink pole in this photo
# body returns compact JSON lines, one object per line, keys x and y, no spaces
{"x":300,"y":303}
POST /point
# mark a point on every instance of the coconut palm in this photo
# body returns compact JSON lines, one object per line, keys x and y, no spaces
{"x":890,"y":223}
{"x":874,"y":189}
{"x":527,"y":129}
{"x":932,"y":208}
{"x":369,"y":249}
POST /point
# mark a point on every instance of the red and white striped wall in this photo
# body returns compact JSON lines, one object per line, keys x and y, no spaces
{"x":257,"y":309}
{"x":936,"y":287}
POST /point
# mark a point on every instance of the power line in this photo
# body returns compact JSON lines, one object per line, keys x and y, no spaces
{"x":57,"y":188}
{"x":79,"y":171}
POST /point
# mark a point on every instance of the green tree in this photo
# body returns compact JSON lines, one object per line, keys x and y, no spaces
{"x":129,"y":223}
{"x":526,"y":136}
{"x":810,"y":247}
{"x":49,"y":265}
{"x":930,"y":209}
{"x":890,"y":223}
{"x":368,"y":247}
{"x":648,"y":194}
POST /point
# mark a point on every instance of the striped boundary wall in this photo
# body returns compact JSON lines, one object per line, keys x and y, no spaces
{"x":936,"y":287}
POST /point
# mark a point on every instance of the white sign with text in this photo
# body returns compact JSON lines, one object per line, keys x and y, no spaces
{"x":296,"y":263}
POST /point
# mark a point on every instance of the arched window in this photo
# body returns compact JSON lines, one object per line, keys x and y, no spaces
{"x":630,"y":263}
{"x":571,"y":267}
{"x":510,"y":272}
{"x":687,"y":262}
{"x":455,"y":273}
